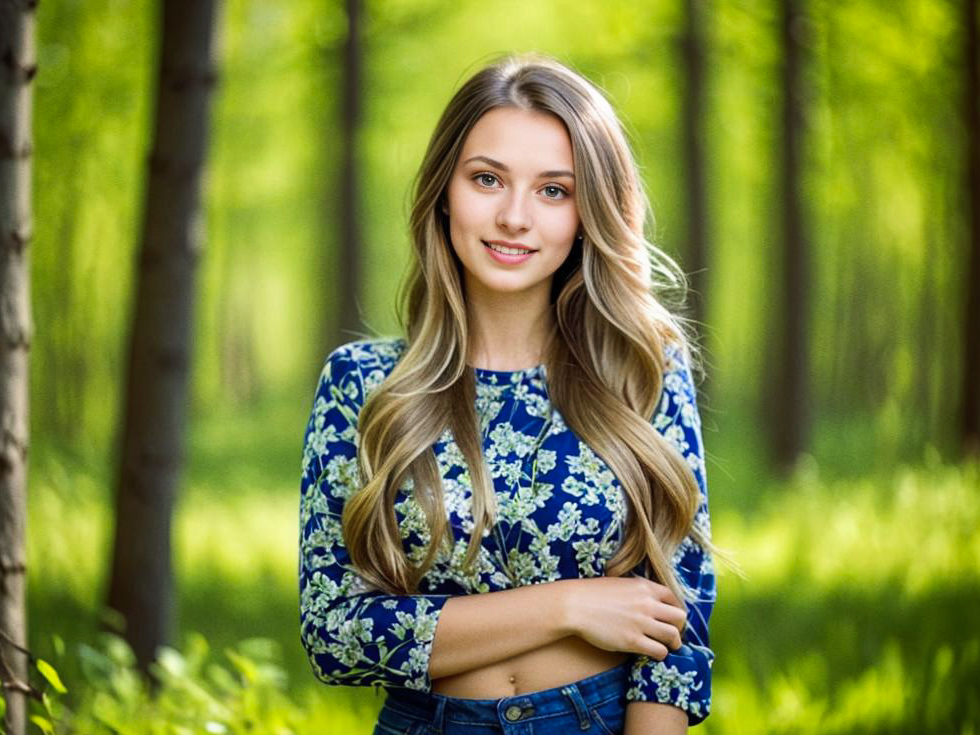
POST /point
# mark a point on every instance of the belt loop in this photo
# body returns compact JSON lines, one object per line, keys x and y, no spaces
{"x":572,"y":692}
{"x":437,"y":718}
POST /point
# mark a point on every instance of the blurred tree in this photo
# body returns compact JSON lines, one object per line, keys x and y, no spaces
{"x":19,"y":66}
{"x":971,"y":341}
{"x":789,"y":398}
{"x":155,"y":403}
{"x":692,"y":49}
{"x":348,"y":279}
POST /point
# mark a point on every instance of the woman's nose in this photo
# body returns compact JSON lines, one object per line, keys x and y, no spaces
{"x":514,"y":213}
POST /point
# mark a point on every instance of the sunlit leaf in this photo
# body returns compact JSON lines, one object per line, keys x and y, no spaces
{"x":49,"y":673}
{"x":43,"y":723}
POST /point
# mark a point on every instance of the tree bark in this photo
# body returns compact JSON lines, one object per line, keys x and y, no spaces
{"x":970,"y":434}
{"x":155,"y":402}
{"x":18,"y":66}
{"x":692,"y":101}
{"x":791,"y":414}
{"x":348,"y":280}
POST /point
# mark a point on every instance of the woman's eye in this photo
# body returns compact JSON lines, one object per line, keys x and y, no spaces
{"x":487,"y":180}
{"x":554,"y":192}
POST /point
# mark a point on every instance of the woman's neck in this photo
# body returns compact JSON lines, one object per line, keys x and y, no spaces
{"x":508,"y":333}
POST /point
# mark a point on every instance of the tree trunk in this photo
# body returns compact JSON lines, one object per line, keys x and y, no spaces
{"x":693,"y":116}
{"x":971,"y":337}
{"x":790,"y":418}
{"x":348,"y":280}
{"x":155,"y":403}
{"x":18,"y":65}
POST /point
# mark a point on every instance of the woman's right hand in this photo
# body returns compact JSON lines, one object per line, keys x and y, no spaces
{"x":630,"y":614}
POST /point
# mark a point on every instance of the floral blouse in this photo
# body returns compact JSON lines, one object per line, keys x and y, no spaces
{"x":561,"y":513}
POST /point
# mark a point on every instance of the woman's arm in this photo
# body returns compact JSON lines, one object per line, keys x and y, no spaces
{"x":683,"y":678}
{"x":653,"y":718}
{"x":481,"y":629}
{"x":354,"y":634}
{"x":628,"y":614}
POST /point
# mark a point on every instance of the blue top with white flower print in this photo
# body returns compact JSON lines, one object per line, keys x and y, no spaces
{"x":560,"y":516}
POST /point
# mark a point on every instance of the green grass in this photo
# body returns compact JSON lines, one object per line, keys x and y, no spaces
{"x":857,"y":612}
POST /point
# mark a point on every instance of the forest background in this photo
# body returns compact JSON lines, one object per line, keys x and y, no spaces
{"x":861,"y":542}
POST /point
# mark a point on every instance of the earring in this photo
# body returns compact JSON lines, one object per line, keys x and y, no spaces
{"x":445,"y":208}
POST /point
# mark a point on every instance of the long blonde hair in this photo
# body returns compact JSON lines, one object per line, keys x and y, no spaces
{"x":604,"y":359}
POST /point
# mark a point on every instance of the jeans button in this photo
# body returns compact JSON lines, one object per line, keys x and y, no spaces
{"x":513,"y":713}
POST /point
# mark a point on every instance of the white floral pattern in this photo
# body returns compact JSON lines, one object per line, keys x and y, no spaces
{"x":561,"y":513}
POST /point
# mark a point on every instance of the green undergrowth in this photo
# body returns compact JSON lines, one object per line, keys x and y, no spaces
{"x":856,"y":612}
{"x":242,"y":689}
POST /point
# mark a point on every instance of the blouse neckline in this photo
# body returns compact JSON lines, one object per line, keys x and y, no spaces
{"x":507,"y":377}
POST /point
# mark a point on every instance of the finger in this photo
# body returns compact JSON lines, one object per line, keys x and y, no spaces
{"x":660,"y":591}
{"x":665,"y":595}
{"x":673,"y":615}
{"x":652,"y":648}
{"x":671,"y":599}
{"x":664,"y":633}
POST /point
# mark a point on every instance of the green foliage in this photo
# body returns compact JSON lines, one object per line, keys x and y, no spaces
{"x":51,"y":676}
{"x":863,"y":575}
{"x":92,"y":101}
{"x":883,"y":155}
{"x":245,"y":690}
{"x":857,"y":613}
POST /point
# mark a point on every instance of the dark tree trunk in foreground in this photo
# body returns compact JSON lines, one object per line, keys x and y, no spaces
{"x":151,"y":438}
{"x":18,"y":65}
{"x":350,"y":240}
{"x":790,"y":415}
{"x":971,"y":337}
{"x":692,"y":101}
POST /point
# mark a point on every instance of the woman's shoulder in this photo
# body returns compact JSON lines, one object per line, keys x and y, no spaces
{"x":363,"y":364}
{"x":369,"y":352}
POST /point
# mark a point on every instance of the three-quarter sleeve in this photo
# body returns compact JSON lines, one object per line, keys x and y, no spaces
{"x":354,"y":634}
{"x":683,"y":678}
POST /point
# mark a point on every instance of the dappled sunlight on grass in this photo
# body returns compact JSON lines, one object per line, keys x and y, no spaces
{"x":858,"y":609}
{"x":857,"y":612}
{"x":238,"y":539}
{"x":891,"y":695}
{"x":918,"y":529}
{"x":68,"y":522}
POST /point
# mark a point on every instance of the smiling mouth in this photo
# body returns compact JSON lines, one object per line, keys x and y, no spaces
{"x":507,"y":250}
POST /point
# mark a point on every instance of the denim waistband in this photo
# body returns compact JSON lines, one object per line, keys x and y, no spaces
{"x":579,"y":695}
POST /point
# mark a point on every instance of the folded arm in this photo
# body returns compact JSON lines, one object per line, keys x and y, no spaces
{"x":353,"y":634}
{"x":683,"y":678}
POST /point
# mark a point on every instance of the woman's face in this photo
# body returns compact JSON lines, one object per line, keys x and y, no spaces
{"x":511,"y":200}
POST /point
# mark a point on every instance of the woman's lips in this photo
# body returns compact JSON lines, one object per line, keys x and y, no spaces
{"x":506,"y":258}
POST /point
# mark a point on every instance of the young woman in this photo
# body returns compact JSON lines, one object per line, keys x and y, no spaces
{"x":504,"y":516}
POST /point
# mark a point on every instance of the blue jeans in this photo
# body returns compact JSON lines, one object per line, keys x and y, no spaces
{"x":595,"y":705}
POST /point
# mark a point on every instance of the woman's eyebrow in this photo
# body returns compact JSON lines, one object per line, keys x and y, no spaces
{"x":558,"y":173}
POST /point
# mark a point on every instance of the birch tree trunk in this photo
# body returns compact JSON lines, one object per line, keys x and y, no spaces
{"x":18,"y":65}
{"x":155,"y":403}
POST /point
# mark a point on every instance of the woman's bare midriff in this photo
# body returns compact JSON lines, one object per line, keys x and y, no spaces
{"x":554,"y":665}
